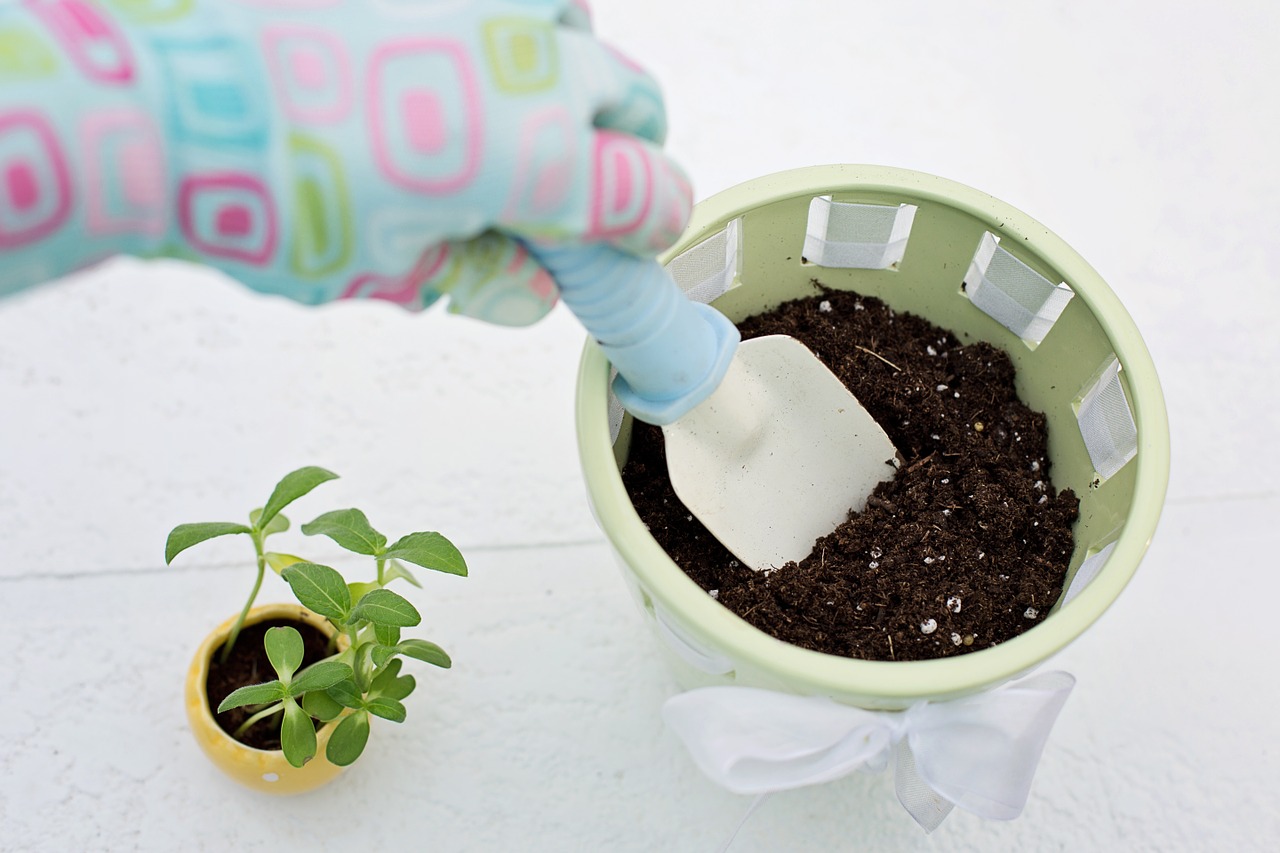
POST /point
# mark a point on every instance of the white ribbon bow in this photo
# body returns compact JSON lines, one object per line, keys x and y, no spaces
{"x":978,"y":752}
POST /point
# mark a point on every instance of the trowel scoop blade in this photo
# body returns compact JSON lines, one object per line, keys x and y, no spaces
{"x":778,"y":455}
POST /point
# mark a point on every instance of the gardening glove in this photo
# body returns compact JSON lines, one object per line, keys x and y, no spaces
{"x":328,"y":149}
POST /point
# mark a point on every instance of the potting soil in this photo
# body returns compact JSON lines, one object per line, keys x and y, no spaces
{"x":966,"y":547}
{"x":249,"y":664}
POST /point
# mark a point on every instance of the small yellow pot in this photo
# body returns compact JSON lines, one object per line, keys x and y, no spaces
{"x":260,"y":769}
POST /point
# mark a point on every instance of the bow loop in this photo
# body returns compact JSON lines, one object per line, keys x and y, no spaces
{"x":753,"y":741}
{"x":978,"y":752}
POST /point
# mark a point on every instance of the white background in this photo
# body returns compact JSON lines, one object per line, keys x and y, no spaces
{"x":144,"y":395}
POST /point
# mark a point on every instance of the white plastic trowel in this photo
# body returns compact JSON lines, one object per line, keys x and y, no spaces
{"x":764,"y":444}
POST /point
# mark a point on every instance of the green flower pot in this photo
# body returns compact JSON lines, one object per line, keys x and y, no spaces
{"x":977,"y":267}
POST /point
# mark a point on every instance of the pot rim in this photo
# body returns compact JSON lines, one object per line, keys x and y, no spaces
{"x":900,"y":681}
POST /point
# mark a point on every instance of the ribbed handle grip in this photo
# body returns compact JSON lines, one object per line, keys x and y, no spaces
{"x":670,"y":353}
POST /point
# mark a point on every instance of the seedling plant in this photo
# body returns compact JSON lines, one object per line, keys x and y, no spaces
{"x":358,"y":681}
{"x":263,"y":522}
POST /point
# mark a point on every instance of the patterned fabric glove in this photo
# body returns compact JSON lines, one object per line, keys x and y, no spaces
{"x":327,"y":149}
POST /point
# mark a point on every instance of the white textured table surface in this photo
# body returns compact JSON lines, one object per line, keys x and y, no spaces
{"x":143,"y":395}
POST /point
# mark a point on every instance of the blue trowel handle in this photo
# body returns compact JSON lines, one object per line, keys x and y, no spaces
{"x":670,"y":353}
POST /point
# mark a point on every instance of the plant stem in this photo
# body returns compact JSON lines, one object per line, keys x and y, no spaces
{"x":358,"y":660}
{"x":382,"y":562}
{"x":257,"y":537}
{"x":269,"y":711}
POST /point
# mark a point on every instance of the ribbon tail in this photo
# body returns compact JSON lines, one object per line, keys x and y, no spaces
{"x":927,"y":806}
{"x":751,"y":809}
{"x":981,"y":752}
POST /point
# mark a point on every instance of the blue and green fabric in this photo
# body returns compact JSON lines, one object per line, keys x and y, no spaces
{"x":328,"y":149}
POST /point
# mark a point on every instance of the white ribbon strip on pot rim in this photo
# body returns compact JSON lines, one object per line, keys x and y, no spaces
{"x":687,"y":648}
{"x":977,"y":752}
{"x":1012,"y":293}
{"x":1106,"y":424}
{"x":856,"y":236}
{"x":1088,"y":570}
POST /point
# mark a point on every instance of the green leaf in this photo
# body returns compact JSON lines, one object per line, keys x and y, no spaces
{"x":396,"y":569}
{"x":294,"y":485}
{"x":346,"y":693}
{"x":401,"y":687}
{"x":321,"y":589}
{"x":319,"y":676}
{"x":385,"y":676}
{"x":297,"y":734}
{"x":321,"y":705}
{"x":284,"y":650}
{"x":390,"y":683}
{"x":350,"y":529}
{"x":387,"y":635}
{"x":425,"y":651}
{"x":348,"y":656}
{"x":253,"y":694}
{"x":279,"y":562}
{"x":184,"y":536}
{"x":387,"y":708}
{"x":384,"y":607}
{"x":359,"y":590}
{"x":431,"y":551}
{"x":364,"y":658}
{"x":381,"y":654}
{"x":279,"y":524}
{"x":348,"y":739}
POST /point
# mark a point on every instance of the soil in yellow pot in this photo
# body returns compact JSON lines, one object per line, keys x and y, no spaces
{"x":260,"y":769}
